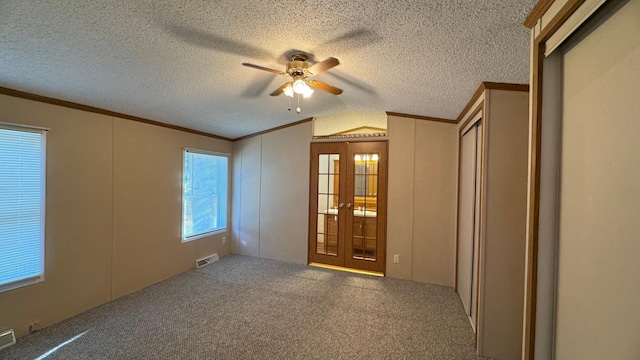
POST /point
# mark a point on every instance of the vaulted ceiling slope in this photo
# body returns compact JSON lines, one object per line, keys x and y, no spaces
{"x":179,"y":62}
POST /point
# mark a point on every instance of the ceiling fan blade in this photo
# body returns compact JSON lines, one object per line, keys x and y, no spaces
{"x":353,"y":39}
{"x":258,"y":85}
{"x":353,"y":82}
{"x":279,"y":90}
{"x":324,"y":86}
{"x":208,"y":40}
{"x":323,"y":66}
{"x":265,"y":69}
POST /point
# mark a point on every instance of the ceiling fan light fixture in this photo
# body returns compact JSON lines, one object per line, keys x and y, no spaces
{"x":300,"y":86}
{"x":298,"y":71}
{"x":288,"y":90}
{"x":307,"y":92}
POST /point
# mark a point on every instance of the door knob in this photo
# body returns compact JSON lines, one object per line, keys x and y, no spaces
{"x":341,"y":205}
{"x":348,"y":205}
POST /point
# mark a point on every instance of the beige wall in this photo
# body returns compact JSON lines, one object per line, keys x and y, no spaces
{"x":282,"y":209}
{"x":422,"y":200}
{"x":247,"y":157}
{"x":401,"y":132}
{"x":505,"y":205}
{"x":434,"y":202}
{"x":112,"y":211}
{"x":271,"y":186}
{"x":599,"y":243}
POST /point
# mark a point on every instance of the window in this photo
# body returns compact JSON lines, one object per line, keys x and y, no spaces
{"x":204,"y":194}
{"x":22,"y":194}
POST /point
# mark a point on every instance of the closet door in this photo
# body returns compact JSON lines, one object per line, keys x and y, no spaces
{"x":468,"y":225}
{"x":598,"y":270}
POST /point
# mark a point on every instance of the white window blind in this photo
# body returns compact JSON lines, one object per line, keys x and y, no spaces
{"x":22,"y":194}
{"x":204,"y":194}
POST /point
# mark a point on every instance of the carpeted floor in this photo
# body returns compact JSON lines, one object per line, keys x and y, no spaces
{"x":249,"y":308}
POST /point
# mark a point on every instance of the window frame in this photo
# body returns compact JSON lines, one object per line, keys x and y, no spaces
{"x":16,"y":284}
{"x":224,"y":229}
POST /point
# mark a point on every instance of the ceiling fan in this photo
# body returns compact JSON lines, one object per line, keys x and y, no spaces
{"x":299,"y":71}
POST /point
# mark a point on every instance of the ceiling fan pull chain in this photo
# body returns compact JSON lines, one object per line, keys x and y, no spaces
{"x":298,"y":108}
{"x":289,"y":97}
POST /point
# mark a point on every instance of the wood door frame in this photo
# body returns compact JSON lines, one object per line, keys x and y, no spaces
{"x":535,"y":135}
{"x":379,"y":265}
{"x":312,"y":255}
{"x":346,"y":187}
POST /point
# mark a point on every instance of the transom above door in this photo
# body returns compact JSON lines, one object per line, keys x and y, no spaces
{"x":347,"y":219}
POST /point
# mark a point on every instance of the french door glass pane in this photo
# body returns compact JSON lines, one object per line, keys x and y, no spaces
{"x":365,"y":192}
{"x":328,"y":195}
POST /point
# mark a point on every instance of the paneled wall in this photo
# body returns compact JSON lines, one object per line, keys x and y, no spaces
{"x":247,"y":172}
{"x":114,"y":205}
{"x":281,"y":210}
{"x":422,"y":200}
{"x":505,"y":207}
{"x":435,"y":202}
{"x":271,"y":195}
{"x":113,"y":211}
{"x":400,"y":196}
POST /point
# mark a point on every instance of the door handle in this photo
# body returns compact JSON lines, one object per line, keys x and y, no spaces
{"x":349,"y":206}
{"x":341,"y":205}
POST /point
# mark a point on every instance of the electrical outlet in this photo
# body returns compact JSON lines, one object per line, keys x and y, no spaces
{"x":396,"y":258}
{"x":224,"y":240}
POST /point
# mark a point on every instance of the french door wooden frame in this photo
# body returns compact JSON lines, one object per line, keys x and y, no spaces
{"x":341,"y":151}
{"x":360,"y":241}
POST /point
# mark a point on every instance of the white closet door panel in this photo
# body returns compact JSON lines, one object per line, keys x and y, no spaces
{"x":466,"y":217}
{"x":598,"y":293}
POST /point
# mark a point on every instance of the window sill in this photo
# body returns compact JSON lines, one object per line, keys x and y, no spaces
{"x":207,"y":234}
{"x":21,"y":283}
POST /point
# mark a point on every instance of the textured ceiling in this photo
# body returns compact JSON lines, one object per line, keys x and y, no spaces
{"x":179,"y":62}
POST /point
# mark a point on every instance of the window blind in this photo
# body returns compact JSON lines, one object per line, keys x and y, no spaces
{"x":22,"y":191}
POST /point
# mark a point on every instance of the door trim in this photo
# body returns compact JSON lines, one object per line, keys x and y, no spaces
{"x":344,"y":258}
{"x":379,"y":265}
{"x":312,"y":255}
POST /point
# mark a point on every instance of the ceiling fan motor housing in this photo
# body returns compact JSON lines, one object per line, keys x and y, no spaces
{"x":298,"y":68}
